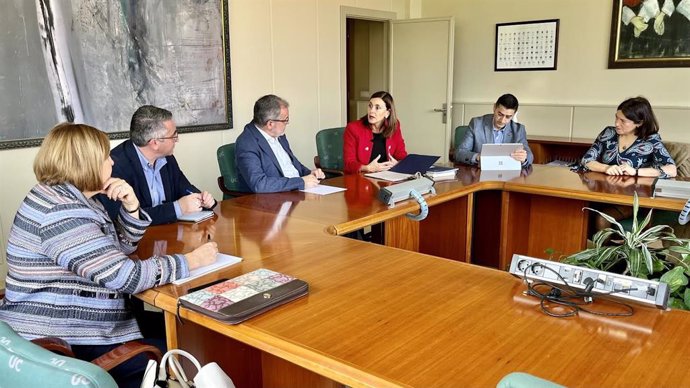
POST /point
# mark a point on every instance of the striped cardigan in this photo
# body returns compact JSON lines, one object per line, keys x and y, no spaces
{"x":68,"y":269}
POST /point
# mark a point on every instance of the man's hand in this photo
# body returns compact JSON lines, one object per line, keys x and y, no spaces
{"x":310,"y":181}
{"x":119,"y":190}
{"x":519,"y":155}
{"x":191,"y":203}
{"x":318,"y":174}
{"x":207,"y":200}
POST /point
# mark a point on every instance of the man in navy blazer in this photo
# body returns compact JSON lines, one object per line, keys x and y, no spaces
{"x":147,"y":163}
{"x":264,"y":159}
{"x":498,"y":127}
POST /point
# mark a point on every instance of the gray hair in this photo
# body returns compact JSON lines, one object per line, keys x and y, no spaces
{"x":268,"y":108}
{"x":147,"y":123}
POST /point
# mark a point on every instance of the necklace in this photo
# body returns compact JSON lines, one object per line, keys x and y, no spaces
{"x":624,"y":146}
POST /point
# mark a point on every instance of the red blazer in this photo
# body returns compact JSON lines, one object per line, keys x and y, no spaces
{"x":357,"y":145}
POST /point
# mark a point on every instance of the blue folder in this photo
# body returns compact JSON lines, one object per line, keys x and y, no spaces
{"x":414,"y":163}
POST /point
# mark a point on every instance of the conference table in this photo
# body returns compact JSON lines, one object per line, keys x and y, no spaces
{"x":409,"y":313}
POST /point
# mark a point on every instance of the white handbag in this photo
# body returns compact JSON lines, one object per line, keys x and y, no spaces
{"x":210,"y":376}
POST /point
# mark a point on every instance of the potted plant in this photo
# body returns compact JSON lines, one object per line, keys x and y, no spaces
{"x":647,"y":251}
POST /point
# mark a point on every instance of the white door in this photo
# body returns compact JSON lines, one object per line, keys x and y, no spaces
{"x":421,"y":72}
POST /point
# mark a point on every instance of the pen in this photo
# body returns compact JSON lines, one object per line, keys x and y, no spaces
{"x":209,"y":237}
{"x":190,"y":191}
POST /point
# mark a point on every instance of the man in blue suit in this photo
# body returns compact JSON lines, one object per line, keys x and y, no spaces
{"x":498,"y":127}
{"x":264,"y":159}
{"x":147,"y":163}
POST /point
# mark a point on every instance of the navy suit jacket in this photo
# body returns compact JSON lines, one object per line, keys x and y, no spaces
{"x":258,"y":168}
{"x":480,"y":132}
{"x":128,"y":167}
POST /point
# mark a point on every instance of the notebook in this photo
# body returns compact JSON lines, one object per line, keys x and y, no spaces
{"x":196,"y":216}
{"x":222,"y":261}
{"x":497,"y":156}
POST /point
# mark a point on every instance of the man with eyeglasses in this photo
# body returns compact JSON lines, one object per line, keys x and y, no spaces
{"x":499,"y":128}
{"x":147,"y":163}
{"x":264,"y":159}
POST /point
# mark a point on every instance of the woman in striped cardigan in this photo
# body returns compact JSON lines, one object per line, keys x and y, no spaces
{"x":68,"y":269}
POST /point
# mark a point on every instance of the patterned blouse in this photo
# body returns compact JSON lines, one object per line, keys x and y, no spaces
{"x":649,"y":152}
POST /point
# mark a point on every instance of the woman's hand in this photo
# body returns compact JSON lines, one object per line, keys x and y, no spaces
{"x":119,"y":190}
{"x":203,"y":255}
{"x":619,"y":170}
{"x":375,"y":166}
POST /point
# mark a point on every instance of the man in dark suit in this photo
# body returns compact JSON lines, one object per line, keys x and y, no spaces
{"x":264,"y":159}
{"x":498,"y":127}
{"x":147,"y":163}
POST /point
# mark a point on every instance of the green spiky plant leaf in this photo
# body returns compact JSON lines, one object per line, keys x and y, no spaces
{"x":646,"y":251}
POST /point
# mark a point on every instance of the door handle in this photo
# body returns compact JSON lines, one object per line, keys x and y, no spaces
{"x":443,"y":109}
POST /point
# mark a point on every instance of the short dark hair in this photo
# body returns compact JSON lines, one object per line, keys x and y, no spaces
{"x":391,"y":122}
{"x":147,"y":123}
{"x":268,"y":108}
{"x":639,"y":111}
{"x":508,"y":101}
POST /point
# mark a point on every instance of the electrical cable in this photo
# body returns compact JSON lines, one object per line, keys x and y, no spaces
{"x":569,"y":298}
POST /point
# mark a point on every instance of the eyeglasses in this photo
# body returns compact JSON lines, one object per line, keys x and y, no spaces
{"x":174,"y":137}
{"x":286,"y":121}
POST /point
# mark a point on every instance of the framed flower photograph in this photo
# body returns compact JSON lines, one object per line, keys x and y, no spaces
{"x":650,"y":33}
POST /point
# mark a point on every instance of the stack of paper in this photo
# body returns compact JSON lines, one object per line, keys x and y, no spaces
{"x":672,"y":188}
{"x":438,"y":173}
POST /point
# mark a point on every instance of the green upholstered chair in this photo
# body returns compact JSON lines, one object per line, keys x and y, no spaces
{"x":329,"y":149}
{"x":525,"y":380}
{"x":458,"y":134}
{"x":228,"y":181}
{"x":49,"y":362}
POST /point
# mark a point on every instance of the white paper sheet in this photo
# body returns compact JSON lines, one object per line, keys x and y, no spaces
{"x":222,"y":261}
{"x":324,"y":190}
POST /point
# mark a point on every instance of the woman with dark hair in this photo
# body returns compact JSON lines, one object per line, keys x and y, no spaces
{"x":374,"y":142}
{"x":631,"y":147}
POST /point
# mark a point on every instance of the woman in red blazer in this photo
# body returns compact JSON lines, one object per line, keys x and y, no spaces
{"x":374,"y":142}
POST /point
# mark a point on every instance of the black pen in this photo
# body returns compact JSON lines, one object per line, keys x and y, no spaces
{"x":209,"y":237}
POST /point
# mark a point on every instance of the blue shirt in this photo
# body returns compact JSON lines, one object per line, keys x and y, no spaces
{"x":152,"y":172}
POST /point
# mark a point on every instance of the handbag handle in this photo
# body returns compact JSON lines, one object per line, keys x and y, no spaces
{"x":176,"y":368}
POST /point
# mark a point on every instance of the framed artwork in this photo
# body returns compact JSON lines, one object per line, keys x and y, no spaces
{"x":531,"y":45}
{"x":650,"y":33}
{"x":97,"y":61}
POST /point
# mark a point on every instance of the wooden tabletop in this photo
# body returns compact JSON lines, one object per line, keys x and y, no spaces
{"x":378,"y":316}
{"x":357,"y":207}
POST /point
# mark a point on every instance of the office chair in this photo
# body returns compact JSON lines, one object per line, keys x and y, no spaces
{"x":459,"y":133}
{"x":525,"y":380}
{"x":228,"y":181}
{"x":25,"y":363}
{"x":329,"y":147}
{"x":680,"y":152}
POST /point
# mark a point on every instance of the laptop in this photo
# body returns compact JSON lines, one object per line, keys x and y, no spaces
{"x":405,"y":168}
{"x":497,"y":156}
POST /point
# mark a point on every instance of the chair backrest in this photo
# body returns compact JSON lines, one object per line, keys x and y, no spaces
{"x":329,"y":147}
{"x":25,"y":364}
{"x":228,"y":167}
{"x":459,"y":134}
{"x":525,"y":380}
{"x":680,"y":152}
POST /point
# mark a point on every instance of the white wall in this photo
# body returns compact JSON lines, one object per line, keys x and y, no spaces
{"x":579,"y":98}
{"x":287,"y":47}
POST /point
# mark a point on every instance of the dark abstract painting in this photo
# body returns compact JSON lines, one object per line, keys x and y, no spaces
{"x":97,"y":61}
{"x":650,"y":33}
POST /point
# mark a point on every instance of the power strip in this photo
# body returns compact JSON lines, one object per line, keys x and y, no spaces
{"x":638,"y":290}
